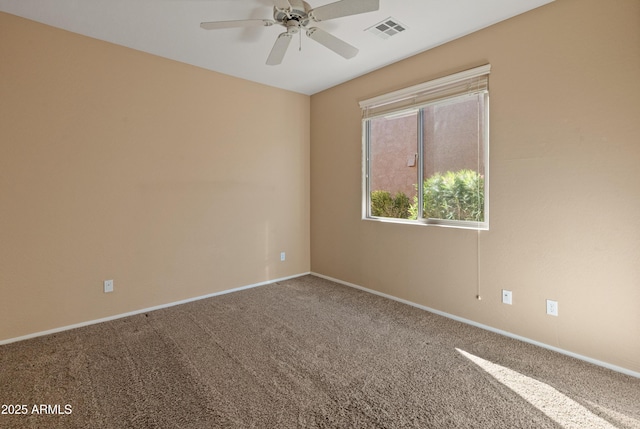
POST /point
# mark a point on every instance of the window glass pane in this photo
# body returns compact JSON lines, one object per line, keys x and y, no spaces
{"x":454,"y":170}
{"x":393,"y":165}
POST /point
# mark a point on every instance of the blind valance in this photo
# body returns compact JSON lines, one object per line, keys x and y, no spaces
{"x":470,"y":81}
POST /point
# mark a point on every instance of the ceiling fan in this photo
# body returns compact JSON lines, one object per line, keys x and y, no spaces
{"x":296,"y":15}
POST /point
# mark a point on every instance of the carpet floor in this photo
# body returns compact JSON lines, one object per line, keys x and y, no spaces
{"x":303,"y":353}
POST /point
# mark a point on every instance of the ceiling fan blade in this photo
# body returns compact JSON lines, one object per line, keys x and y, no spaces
{"x":215,"y":25}
{"x":282,"y":4}
{"x":330,"y":41}
{"x":343,"y":8}
{"x":279,"y":49}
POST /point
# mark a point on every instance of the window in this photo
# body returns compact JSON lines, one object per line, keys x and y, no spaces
{"x":426,"y":152}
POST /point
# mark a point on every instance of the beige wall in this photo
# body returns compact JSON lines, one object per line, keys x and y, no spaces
{"x":564,"y":184}
{"x":174,"y":181}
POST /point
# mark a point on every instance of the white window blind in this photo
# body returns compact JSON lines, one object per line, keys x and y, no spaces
{"x":470,"y":81}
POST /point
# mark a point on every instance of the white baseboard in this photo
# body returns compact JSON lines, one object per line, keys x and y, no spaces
{"x":144,"y":310}
{"x":486,"y":327}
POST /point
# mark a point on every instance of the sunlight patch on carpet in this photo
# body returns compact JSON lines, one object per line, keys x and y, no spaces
{"x":559,"y":407}
{"x":622,"y":419}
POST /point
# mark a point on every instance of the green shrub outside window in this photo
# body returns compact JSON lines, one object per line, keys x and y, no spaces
{"x":452,"y":196}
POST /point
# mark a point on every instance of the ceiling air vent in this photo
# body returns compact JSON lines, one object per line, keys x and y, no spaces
{"x":387,"y":28}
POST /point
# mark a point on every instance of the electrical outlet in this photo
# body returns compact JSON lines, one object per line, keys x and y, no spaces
{"x":283,"y":256}
{"x":108,"y":286}
{"x":552,"y":307}
{"x":507,"y":297}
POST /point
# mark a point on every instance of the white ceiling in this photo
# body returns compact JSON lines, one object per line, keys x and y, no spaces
{"x":170,"y":29}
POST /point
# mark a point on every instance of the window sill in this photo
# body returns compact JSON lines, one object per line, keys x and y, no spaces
{"x":479,"y":226}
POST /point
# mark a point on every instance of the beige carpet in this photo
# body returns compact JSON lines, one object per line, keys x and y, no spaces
{"x":304,"y":353}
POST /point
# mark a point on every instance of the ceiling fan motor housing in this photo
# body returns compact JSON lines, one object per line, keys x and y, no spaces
{"x":299,"y":12}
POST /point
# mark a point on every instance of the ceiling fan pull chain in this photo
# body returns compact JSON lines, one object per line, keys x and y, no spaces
{"x":300,"y":38}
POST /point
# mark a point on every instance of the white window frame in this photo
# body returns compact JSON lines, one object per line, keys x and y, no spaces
{"x":473,"y":81}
